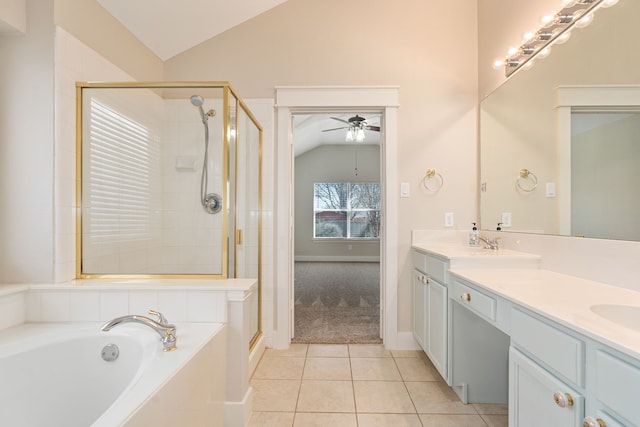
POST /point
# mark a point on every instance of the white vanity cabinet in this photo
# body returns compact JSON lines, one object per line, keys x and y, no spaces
{"x":430,"y":312}
{"x":546,"y":373}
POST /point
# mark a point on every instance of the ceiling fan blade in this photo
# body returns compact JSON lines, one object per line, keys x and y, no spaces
{"x":373,"y":128}
{"x":328,"y":130}
{"x":340,"y":120}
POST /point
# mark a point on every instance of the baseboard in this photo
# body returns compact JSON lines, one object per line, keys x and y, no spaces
{"x":336,"y":258}
{"x":256,"y":354}
{"x":406,"y":341}
{"x":238,"y":413}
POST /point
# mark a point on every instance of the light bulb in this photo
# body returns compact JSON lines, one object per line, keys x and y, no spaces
{"x":546,"y":20}
{"x":349,"y":135}
{"x":512,"y":51}
{"x":526,"y":37}
{"x":585,"y":20}
{"x":562,"y":38}
{"x":544,"y":53}
{"x":498,"y":64}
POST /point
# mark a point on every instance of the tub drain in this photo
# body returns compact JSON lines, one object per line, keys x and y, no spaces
{"x":110,"y":352}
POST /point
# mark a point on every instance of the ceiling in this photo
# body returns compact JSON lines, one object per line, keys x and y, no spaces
{"x":308,"y":130}
{"x":169,"y":27}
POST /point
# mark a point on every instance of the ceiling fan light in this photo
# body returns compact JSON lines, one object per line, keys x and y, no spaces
{"x":360,"y":135}
{"x":350,"y":135}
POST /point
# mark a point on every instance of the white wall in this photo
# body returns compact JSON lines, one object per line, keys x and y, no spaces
{"x":27,"y":149}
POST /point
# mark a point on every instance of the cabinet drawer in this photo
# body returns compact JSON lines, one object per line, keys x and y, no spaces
{"x":419,"y":261}
{"x":560,"y":351}
{"x":618,"y":385}
{"x":476,"y":300}
{"x":437,"y":269}
{"x":434,"y":267}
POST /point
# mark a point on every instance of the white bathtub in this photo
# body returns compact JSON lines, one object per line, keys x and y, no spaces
{"x":54,"y":375}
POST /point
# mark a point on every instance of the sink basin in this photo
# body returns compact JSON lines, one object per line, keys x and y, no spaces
{"x":624,"y":315}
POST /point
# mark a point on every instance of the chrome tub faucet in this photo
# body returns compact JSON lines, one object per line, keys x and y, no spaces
{"x":166,"y":331}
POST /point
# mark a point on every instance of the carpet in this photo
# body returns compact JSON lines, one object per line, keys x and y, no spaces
{"x":337,"y":302}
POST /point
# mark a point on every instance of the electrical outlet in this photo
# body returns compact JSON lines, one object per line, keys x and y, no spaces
{"x":448,"y":219}
{"x":506,"y":219}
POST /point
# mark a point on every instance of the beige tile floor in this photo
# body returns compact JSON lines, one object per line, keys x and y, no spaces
{"x":361,"y":385}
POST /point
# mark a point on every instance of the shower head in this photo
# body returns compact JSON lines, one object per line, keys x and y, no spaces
{"x":197,"y":100}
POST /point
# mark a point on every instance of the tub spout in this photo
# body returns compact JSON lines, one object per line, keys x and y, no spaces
{"x":166,"y":331}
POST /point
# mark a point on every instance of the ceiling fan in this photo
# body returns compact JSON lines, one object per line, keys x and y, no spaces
{"x":356,"y":126}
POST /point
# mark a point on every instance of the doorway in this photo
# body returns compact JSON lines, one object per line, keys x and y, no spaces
{"x":296,"y":99}
{"x":337,"y":217}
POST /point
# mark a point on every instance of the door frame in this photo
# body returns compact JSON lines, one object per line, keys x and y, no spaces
{"x":297,"y":99}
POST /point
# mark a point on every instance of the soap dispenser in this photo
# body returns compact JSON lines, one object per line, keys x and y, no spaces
{"x":474,"y":237}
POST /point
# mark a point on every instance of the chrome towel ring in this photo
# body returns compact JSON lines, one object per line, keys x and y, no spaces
{"x":526,"y":181}
{"x":432,"y":181}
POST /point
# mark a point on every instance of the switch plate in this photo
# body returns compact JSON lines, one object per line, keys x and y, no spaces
{"x":551,"y":189}
{"x":448,"y":219}
{"x":506,"y":219}
{"x":405,"y":189}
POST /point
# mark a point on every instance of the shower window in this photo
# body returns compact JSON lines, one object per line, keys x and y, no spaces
{"x":121,"y":150}
{"x":346,"y":210}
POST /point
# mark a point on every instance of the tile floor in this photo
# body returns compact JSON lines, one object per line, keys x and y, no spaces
{"x":361,"y":385}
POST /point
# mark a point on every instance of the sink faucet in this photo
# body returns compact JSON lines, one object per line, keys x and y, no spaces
{"x":489,"y":243}
{"x":166,"y":331}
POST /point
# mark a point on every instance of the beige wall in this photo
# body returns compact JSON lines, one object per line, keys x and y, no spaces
{"x":13,"y":16}
{"x":89,"y":22}
{"x":428,"y":49}
{"x":501,"y":25}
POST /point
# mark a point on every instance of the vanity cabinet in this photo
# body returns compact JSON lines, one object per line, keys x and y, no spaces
{"x":538,"y":398}
{"x":430,"y":314}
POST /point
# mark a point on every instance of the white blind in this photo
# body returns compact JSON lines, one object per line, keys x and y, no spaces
{"x":120,"y":163}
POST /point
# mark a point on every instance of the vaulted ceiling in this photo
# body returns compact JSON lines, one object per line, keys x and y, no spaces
{"x":169,"y":27}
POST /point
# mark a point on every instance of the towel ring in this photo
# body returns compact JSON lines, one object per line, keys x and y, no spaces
{"x":526,"y":181}
{"x":432,"y":181}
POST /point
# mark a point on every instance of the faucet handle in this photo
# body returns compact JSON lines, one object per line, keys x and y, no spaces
{"x":161,"y":317}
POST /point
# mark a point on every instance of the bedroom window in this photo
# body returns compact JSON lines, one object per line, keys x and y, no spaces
{"x":346,"y":210}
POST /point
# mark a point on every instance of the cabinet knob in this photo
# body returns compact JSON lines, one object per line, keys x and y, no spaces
{"x":563,"y":400}
{"x":593,"y":422}
{"x":465,"y":297}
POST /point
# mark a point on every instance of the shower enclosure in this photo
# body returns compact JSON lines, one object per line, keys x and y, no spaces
{"x":169,"y":181}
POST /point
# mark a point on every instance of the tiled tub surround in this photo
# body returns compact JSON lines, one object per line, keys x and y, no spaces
{"x":181,"y":301}
{"x":48,"y":367}
{"x":564,"y":331}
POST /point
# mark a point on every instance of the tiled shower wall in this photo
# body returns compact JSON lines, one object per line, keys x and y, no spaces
{"x":188,"y":239}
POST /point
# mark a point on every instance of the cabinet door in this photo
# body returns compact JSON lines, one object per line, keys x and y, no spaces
{"x":532,"y":396}
{"x":437,"y":326}
{"x":419,"y":308}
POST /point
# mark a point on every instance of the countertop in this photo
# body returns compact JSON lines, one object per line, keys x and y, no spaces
{"x":565,"y":299}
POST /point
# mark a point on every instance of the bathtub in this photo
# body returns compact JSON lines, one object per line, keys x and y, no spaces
{"x":53,"y":374}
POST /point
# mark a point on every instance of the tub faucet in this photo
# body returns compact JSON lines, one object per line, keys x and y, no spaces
{"x":166,"y":331}
{"x":489,"y":242}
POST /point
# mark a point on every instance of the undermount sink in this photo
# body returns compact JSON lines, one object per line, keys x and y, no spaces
{"x":624,"y":315}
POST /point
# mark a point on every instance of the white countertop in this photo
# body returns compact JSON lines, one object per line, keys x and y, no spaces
{"x":565,"y":299}
{"x":464,"y":256}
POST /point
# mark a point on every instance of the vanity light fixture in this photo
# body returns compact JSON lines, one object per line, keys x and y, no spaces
{"x":555,"y":29}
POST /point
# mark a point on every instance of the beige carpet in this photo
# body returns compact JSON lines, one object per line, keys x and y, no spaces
{"x":337,"y":302}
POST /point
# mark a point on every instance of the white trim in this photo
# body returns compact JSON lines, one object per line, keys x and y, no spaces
{"x":336,"y":258}
{"x":581,"y":97}
{"x":290,"y":99}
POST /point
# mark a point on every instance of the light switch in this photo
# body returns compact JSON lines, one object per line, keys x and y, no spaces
{"x":551,"y":189}
{"x":506,"y":219}
{"x":405,"y":189}
{"x":448,"y":219}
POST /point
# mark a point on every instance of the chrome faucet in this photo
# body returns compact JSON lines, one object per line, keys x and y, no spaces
{"x":489,"y":243}
{"x":166,"y":331}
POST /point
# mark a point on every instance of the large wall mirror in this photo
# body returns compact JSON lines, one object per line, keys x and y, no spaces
{"x":534,"y":180}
